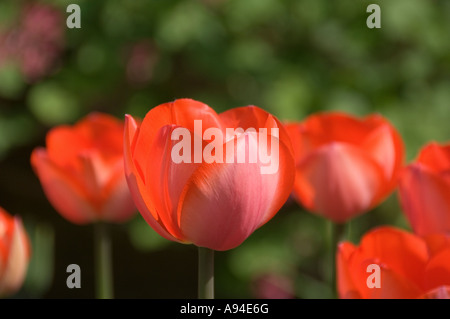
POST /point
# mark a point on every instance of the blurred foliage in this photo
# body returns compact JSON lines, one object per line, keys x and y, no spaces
{"x":291,"y":57}
{"x":40,"y":269}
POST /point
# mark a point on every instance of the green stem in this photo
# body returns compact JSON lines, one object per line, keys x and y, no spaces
{"x":337,"y":233}
{"x":205,"y":273}
{"x":103,"y":262}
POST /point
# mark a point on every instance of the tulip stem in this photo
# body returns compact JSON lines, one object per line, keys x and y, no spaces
{"x":337,"y":233}
{"x":205,"y":273}
{"x":103,"y":262}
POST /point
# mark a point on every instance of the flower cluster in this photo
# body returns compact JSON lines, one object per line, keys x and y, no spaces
{"x":35,"y":43}
{"x":197,"y":177}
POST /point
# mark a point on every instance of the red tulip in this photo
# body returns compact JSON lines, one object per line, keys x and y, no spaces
{"x":200,"y":200}
{"x":82,"y":172}
{"x":424,"y":190}
{"x":410,"y":266}
{"x":14,"y":253}
{"x":344,"y":165}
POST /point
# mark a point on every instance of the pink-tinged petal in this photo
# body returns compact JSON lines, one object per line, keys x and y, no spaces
{"x":14,"y":272}
{"x":283,"y":178}
{"x":68,"y":198}
{"x":223,"y":203}
{"x":374,"y":138}
{"x":137,"y":188}
{"x":259,"y":119}
{"x":338,"y":181}
{"x":119,"y":206}
{"x":442,"y":292}
{"x":425,"y":200}
{"x":93,"y":175}
{"x":380,"y":145}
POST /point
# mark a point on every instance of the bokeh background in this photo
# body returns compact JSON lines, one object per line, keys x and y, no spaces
{"x":290,"y":57}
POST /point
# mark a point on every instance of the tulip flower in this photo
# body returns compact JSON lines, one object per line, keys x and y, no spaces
{"x":14,"y":253}
{"x":213,"y":205}
{"x":81,"y":171}
{"x":207,"y":194}
{"x":409,"y":266}
{"x":344,"y":165}
{"x":424,"y":190}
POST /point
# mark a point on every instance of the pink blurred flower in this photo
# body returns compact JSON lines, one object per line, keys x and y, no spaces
{"x":140,"y":62}
{"x":35,"y":42}
{"x":273,"y":286}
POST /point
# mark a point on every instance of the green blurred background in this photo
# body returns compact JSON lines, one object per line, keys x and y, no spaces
{"x":290,"y":57}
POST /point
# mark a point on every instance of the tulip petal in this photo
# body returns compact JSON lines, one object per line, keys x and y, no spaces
{"x":393,"y":286}
{"x":95,"y":131}
{"x":63,"y":192}
{"x":102,"y":130}
{"x":380,"y":145}
{"x":436,"y":157}
{"x":442,"y":292}
{"x":365,"y":180}
{"x":13,"y":275}
{"x":181,"y":112}
{"x":324,"y":128}
{"x":6,"y":232}
{"x":257,"y":118}
{"x":167,"y":178}
{"x":401,"y":258}
{"x":345,"y":286}
{"x":223,"y":203}
{"x":284,"y":181}
{"x":118,"y":206}
{"x":425,"y":200}
{"x":245,"y":117}
{"x":436,"y":243}
{"x":338,"y":181}
{"x":136,"y":185}
{"x":404,"y":253}
{"x":437,"y":272}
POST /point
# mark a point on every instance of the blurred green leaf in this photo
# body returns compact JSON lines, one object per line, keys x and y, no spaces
{"x":41,"y":266}
{"x":143,"y":237}
{"x":52,"y":104}
{"x":11,"y":80}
